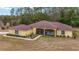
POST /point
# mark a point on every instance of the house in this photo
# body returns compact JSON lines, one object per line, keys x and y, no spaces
{"x":22,"y":30}
{"x":44,"y":28}
{"x":53,"y":28}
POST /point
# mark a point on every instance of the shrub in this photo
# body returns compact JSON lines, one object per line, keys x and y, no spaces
{"x":15,"y":35}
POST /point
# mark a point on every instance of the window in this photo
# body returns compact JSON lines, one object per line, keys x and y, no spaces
{"x":62,"y":32}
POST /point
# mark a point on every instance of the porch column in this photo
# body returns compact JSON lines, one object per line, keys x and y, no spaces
{"x":55,"y":33}
{"x":44,"y":32}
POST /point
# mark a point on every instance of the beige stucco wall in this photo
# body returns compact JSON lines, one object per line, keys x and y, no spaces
{"x":24,"y":32}
{"x":58,"y":32}
{"x":34,"y":30}
{"x":11,"y":31}
{"x":67,"y":33}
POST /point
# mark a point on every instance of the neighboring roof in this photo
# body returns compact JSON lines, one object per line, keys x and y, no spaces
{"x":51,"y":25}
{"x":22,"y":27}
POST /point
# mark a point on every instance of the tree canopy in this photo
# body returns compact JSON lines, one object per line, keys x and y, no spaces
{"x":28,"y":15}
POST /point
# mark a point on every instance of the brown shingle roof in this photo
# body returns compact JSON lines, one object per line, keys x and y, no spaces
{"x":22,"y":27}
{"x":51,"y":25}
{"x":44,"y":25}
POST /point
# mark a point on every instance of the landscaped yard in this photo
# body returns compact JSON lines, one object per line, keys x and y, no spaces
{"x":45,"y":43}
{"x":42,"y":44}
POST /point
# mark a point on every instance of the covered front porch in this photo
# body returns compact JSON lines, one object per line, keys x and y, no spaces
{"x":44,"y":32}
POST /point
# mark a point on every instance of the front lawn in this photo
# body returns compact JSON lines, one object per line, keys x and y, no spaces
{"x":45,"y":43}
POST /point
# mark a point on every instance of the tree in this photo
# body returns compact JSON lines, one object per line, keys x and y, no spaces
{"x":27,"y":15}
{"x":12,"y":11}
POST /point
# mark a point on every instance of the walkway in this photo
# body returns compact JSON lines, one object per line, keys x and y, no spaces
{"x":24,"y":38}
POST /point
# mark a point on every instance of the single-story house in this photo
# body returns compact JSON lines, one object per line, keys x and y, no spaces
{"x":22,"y":30}
{"x":43,"y":28}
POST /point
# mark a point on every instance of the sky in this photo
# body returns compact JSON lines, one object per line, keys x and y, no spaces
{"x":5,"y":11}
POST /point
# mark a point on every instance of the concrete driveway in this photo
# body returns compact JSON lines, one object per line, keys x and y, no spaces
{"x":3,"y":33}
